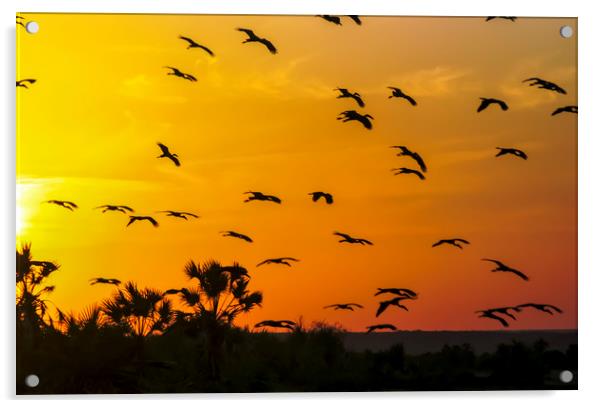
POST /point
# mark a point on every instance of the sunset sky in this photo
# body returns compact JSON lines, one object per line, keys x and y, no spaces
{"x":88,"y":128}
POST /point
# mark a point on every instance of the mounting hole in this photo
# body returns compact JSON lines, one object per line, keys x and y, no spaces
{"x":32,"y":380}
{"x":566,"y":31}
{"x":32,"y":27}
{"x":566,"y":376}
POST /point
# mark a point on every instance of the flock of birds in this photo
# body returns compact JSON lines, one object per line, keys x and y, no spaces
{"x":399,"y":295}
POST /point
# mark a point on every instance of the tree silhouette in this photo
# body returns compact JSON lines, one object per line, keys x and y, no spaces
{"x":140,"y":312}
{"x":220,"y":295}
{"x":31,"y":304}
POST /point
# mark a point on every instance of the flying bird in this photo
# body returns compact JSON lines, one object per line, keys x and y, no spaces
{"x":490,"y":315}
{"x":109,"y":281}
{"x":279,"y":324}
{"x":384,"y":305}
{"x":178,"y":73}
{"x":502,"y":310}
{"x":501,"y":267}
{"x":381,"y":327}
{"x":252,"y":37}
{"x":569,"y":109}
{"x":70,"y":205}
{"x":398,"y":93}
{"x":356,"y":19}
{"x":510,"y":150}
{"x":503,"y":18}
{"x":23,"y":82}
{"x":20,"y":21}
{"x":351,"y":240}
{"x":280,"y":261}
{"x":119,"y":208}
{"x":405,"y":170}
{"x":316,"y":195}
{"x":543,"y":84}
{"x":259,"y":196}
{"x":452,"y":241}
{"x":541,"y":307}
{"x":485,"y":102}
{"x":397,"y":291}
{"x":234,"y":234}
{"x":404,"y":151}
{"x":331,"y":19}
{"x":179,"y":214}
{"x":349,"y":115}
{"x":345,"y":93}
{"x":134,"y":218}
{"x":166,"y":153}
{"x":194,"y":44}
{"x":344,"y":306}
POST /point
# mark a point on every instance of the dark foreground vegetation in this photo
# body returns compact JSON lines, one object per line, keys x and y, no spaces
{"x":136,"y":342}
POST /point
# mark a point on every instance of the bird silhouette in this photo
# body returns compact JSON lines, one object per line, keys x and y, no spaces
{"x":398,"y":93}
{"x":356,"y":19}
{"x":404,"y":151}
{"x":452,"y":241}
{"x":70,"y":205}
{"x":501,"y":267}
{"x":397,"y":291}
{"x":19,"y":20}
{"x":278,"y":324}
{"x":345,"y":93}
{"x":331,"y":19}
{"x":568,"y":109}
{"x":194,"y":44}
{"x":384,"y":305}
{"x":259,"y":196}
{"x":351,"y":240}
{"x":503,"y":18}
{"x":179,"y":214}
{"x":405,"y":170}
{"x":166,"y":153}
{"x":485,"y":102}
{"x":502,"y":310}
{"x":23,"y":82}
{"x":111,"y":207}
{"x":178,"y":73}
{"x":510,"y":150}
{"x":385,"y":326}
{"x":316,"y":195}
{"x":108,"y":281}
{"x":543,"y":84}
{"x":134,"y":218}
{"x":280,"y":261}
{"x":234,"y":234}
{"x":490,"y":315}
{"x":252,"y":37}
{"x":541,"y":307}
{"x":349,"y":115}
{"x":344,"y":306}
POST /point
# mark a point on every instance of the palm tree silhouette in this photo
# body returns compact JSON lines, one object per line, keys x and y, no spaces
{"x":140,"y":312}
{"x":220,"y":295}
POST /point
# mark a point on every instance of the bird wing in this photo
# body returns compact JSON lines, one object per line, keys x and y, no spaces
{"x":365,"y":241}
{"x":188,"y":40}
{"x":132,"y":220}
{"x":274,"y":199}
{"x":555,"y":308}
{"x":206,"y":49}
{"x":416,"y":172}
{"x":356,"y":19}
{"x":419,"y":160}
{"x":394,"y":88}
{"x":342,"y":235}
{"x":461,"y":240}
{"x":264,"y":262}
{"x":248,"y":32}
{"x":191,"y":214}
{"x":519,"y":273}
{"x":503,"y":105}
{"x":175,"y":160}
{"x":269,"y":45}
{"x":329,"y":199}
{"x":440,"y":242}
{"x":290,"y":259}
{"x":164,"y":148}
{"x":152,"y":221}
{"x":329,"y":306}
{"x":244,"y":237}
{"x":484,"y":104}
{"x":315,"y":196}
{"x":498,"y":263}
{"x":365,"y":121}
{"x":359,"y":100}
{"x":410,"y":99}
{"x":125,"y":207}
{"x":382,"y":307}
{"x":495,"y":317}
{"x":356,"y":305}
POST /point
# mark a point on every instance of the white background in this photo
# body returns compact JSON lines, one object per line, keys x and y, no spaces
{"x":590,"y":202}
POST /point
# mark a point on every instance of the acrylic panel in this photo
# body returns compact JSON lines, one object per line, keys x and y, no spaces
{"x":237,"y":203}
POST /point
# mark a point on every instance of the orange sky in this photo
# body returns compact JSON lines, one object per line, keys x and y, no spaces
{"x":87,"y":132}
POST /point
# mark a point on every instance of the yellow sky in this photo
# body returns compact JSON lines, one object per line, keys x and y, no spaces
{"x":87,"y":132}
